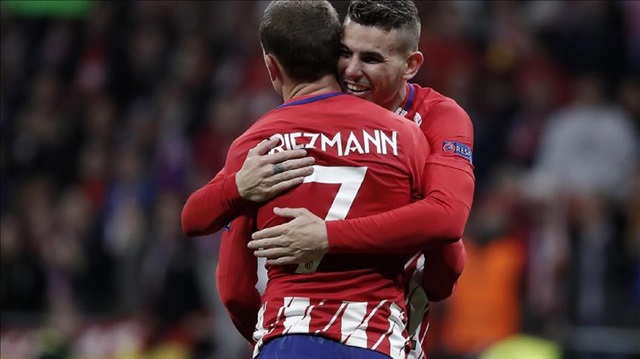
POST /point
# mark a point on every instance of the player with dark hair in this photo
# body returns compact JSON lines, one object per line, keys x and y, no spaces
{"x":344,"y":305}
{"x":379,"y":55}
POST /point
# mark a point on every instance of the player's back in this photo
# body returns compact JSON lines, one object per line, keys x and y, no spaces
{"x":367,"y":162}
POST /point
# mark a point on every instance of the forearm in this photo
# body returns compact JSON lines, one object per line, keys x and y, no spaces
{"x":440,"y":217}
{"x":211,"y":207}
{"x":443,"y":266}
{"x":407,"y":229}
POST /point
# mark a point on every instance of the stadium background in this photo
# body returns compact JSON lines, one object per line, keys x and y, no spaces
{"x":112,"y":112}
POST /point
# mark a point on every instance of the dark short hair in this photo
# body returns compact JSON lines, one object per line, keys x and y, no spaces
{"x":303,"y":35}
{"x":389,"y":15}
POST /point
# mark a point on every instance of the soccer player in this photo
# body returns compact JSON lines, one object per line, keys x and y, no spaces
{"x":379,"y":55}
{"x":344,"y":305}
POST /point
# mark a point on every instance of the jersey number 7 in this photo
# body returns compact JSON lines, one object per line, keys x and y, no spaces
{"x":350,"y":179}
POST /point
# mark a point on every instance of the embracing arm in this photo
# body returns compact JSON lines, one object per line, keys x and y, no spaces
{"x":236,"y":276}
{"x":448,"y":186}
{"x":433,"y":225}
{"x":214,"y":205}
{"x":441,"y":217}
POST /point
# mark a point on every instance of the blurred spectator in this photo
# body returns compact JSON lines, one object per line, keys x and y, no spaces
{"x":590,"y":146}
{"x":487,"y":305}
{"x":111,"y":114}
{"x":22,"y":278}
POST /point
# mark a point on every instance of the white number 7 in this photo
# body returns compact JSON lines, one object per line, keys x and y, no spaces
{"x":350,"y":179}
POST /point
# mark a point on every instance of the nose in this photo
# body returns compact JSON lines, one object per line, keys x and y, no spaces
{"x":352,"y":68}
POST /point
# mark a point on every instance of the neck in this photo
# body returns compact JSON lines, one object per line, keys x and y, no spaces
{"x":325,"y":84}
{"x":398,"y":99}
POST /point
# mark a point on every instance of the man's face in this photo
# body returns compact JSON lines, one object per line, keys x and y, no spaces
{"x":370,"y":66}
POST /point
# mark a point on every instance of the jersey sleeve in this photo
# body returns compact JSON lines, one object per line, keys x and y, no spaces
{"x":236,"y":276}
{"x":212,"y":206}
{"x":443,"y":265}
{"x":441,"y":215}
{"x":449,"y":131}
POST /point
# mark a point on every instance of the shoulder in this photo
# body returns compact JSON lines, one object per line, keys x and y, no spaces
{"x":431,"y":102}
{"x":441,"y":113}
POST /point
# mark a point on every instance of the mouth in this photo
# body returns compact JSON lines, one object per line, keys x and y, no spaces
{"x":355,"y":88}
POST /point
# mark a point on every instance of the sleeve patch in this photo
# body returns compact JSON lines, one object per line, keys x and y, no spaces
{"x":459,"y":149}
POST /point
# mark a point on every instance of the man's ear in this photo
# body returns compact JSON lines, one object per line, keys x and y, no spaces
{"x":273,"y":67}
{"x":414,"y":62}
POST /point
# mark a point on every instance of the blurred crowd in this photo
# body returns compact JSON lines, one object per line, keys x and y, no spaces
{"x":109,"y":119}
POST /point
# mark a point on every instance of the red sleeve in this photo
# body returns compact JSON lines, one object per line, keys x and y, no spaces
{"x":212,"y":206}
{"x":236,"y":276}
{"x":443,"y":266}
{"x":448,"y":187}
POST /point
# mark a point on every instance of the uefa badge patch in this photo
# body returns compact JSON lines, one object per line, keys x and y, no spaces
{"x":459,"y":149}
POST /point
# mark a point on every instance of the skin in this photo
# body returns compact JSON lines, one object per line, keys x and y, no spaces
{"x":257,"y":180}
{"x":372,"y":67}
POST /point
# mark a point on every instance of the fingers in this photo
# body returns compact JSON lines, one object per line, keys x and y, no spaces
{"x":290,"y":212}
{"x":288,"y":174}
{"x":258,"y":244}
{"x":263,"y":147}
{"x":283,"y":186}
{"x":299,"y":163}
{"x":271,"y":232}
{"x":280,"y":229}
{"x":271,"y":253}
{"x":287,"y":155}
{"x":282,"y":261}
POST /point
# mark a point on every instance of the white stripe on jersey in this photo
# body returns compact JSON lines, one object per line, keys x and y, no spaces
{"x":415,"y":257}
{"x":397,"y":341}
{"x":417,"y":305}
{"x":336,"y":316}
{"x":416,"y":298}
{"x":359,"y":324}
{"x":351,"y":322}
{"x":297,"y":315}
{"x":260,"y":331}
{"x":362,"y":328}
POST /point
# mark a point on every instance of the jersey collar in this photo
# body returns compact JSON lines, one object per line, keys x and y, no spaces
{"x":408,"y":100}
{"x":311,"y":99}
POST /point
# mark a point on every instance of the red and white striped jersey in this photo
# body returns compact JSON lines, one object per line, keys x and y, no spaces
{"x":360,"y":324}
{"x":441,"y":121}
{"x":368,"y":161}
{"x":417,"y":306}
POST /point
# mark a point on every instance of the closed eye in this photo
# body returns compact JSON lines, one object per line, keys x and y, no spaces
{"x":372,"y":58}
{"x":345,"y":52}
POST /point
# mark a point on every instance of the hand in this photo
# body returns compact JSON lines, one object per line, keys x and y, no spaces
{"x":300,"y":240}
{"x":263,"y":176}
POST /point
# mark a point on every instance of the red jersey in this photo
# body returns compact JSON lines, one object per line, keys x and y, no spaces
{"x":442,"y":214}
{"x":368,"y":161}
{"x":444,"y":211}
{"x":431,"y":275}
